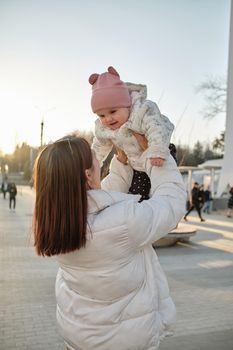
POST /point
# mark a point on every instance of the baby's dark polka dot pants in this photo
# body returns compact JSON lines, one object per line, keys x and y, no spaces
{"x":140,"y":184}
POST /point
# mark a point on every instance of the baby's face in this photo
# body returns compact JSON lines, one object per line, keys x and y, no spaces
{"x":113,"y":118}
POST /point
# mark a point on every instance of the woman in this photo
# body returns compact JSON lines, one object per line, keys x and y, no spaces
{"x":111,"y":291}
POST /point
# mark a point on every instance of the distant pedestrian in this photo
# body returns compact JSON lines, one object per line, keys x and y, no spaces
{"x":230,"y":204}
{"x":12,"y":189}
{"x":196,"y":202}
{"x":201,"y":196}
{"x":208,"y":201}
{"x":4,"y":187}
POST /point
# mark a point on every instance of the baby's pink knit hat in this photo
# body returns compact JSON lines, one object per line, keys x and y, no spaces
{"x":108,"y":91}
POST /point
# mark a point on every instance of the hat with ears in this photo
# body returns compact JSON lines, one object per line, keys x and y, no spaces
{"x":108,"y":91}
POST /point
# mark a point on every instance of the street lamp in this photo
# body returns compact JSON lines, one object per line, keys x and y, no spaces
{"x":41,"y":132}
{"x":42,"y":122}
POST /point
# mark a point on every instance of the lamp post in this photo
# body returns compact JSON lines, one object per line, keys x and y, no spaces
{"x":42,"y":122}
{"x":41,"y":132}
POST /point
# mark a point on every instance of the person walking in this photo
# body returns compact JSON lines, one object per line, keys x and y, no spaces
{"x":12,"y":189}
{"x":201,"y":196}
{"x":208,"y":201}
{"x":230,"y":204}
{"x":111,"y":291}
{"x":197,"y":199}
{"x":4,"y":187}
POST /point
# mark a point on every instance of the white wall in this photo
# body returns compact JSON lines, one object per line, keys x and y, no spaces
{"x":226,"y":176}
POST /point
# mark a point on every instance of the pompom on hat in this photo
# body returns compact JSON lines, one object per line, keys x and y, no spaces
{"x":108,"y":91}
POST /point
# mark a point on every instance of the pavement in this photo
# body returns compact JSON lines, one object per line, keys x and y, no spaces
{"x":200,"y":276}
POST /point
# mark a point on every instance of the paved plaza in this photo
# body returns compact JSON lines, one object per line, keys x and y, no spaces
{"x":200,"y":275}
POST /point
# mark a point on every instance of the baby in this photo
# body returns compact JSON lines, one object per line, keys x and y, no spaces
{"x":122,"y":109}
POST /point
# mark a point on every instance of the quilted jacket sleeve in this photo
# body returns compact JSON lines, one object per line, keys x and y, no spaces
{"x":119,"y":177}
{"x":154,"y":218}
{"x":158,"y":130}
{"x":101,"y":145}
{"x":102,"y":148}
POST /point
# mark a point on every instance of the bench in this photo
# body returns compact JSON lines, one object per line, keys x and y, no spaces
{"x":181,"y":233}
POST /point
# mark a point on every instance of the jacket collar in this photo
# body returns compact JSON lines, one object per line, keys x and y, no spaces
{"x":100,"y":199}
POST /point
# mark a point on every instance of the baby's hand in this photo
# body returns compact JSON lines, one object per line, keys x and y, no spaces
{"x":157,"y":161}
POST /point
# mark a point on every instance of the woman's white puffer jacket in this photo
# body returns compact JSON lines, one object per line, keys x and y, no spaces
{"x":113,"y":294}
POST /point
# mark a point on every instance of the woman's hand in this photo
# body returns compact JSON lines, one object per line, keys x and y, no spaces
{"x":142,"y":141}
{"x":121,"y":156}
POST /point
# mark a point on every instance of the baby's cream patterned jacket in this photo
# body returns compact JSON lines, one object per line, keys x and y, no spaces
{"x":145,"y":118}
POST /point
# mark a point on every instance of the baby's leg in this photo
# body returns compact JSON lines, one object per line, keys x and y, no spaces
{"x":140,"y":184}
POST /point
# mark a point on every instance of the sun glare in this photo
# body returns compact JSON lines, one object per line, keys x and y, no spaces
{"x":21,"y":121}
{"x":7,"y":147}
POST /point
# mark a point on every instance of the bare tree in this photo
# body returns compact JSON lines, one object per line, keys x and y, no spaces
{"x":215,"y":92}
{"x":88,"y":135}
{"x":218,"y":143}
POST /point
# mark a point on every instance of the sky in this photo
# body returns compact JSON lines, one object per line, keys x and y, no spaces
{"x":49,"y":48}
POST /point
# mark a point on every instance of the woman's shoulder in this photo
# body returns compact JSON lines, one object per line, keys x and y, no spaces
{"x":108,"y":209}
{"x":101,"y":199}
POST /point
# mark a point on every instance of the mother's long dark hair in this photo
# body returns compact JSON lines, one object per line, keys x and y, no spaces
{"x":60,"y":215}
